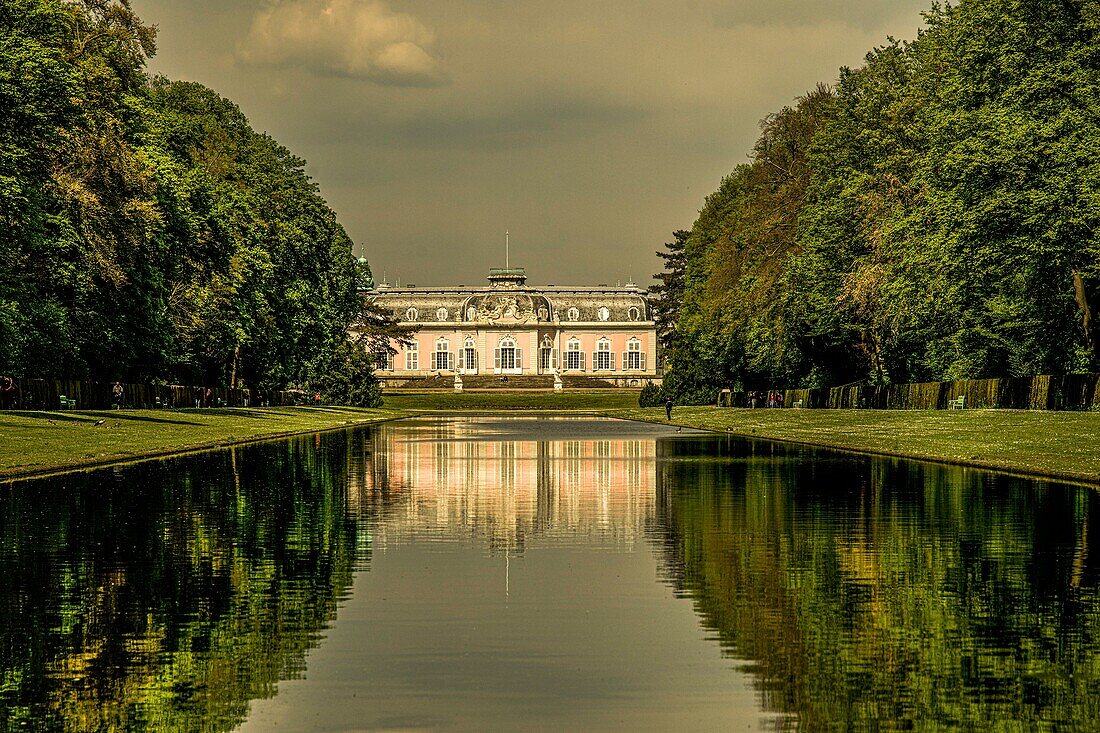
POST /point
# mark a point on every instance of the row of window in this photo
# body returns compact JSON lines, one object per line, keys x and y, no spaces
{"x":508,"y":356}
{"x":442,"y":315}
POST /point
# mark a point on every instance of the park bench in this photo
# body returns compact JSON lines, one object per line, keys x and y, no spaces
{"x":66,"y":403}
{"x":957,"y":404}
{"x":797,"y":404}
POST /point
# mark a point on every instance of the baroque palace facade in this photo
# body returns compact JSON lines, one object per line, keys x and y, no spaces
{"x":511,"y":328}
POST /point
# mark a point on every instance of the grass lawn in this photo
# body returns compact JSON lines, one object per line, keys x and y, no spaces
{"x":1057,"y":444}
{"x":588,"y":400}
{"x":41,"y":442}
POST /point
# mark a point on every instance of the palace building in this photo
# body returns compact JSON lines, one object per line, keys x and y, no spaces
{"x":511,"y":328}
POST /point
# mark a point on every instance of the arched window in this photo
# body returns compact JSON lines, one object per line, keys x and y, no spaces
{"x":633,"y":313}
{"x":603,"y":313}
{"x":603,"y":360}
{"x":412,"y":314}
{"x":508,"y":358}
{"x":442,"y":315}
{"x":573,"y":314}
{"x":634,"y":357}
{"x":442,"y":358}
{"x":467,"y":358}
{"x":412,"y":356}
{"x":548,"y":356}
{"x":574,"y":357}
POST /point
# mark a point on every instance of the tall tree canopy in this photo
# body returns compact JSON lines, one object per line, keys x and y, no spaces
{"x":933,"y":215}
{"x":149,"y":231}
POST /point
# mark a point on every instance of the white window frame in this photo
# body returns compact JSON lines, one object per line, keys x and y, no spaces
{"x":574,"y":357}
{"x":634,"y":313}
{"x":383,"y":360}
{"x":442,"y":358}
{"x":548,"y":355}
{"x":467,"y":356}
{"x":412,"y":357}
{"x":634,"y":357}
{"x":602,"y":359}
{"x":507,"y":343}
{"x":603,"y":313}
{"x":442,"y":315}
{"x":573,"y":314}
{"x":411,"y":315}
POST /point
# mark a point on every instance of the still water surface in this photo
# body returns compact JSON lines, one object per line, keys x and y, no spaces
{"x":531,"y":573}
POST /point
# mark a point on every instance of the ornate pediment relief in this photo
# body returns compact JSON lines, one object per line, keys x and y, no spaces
{"x":506,"y":309}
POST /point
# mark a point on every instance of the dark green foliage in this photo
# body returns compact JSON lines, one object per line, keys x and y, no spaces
{"x":651,"y":396}
{"x":933,"y":216}
{"x":149,"y":232}
{"x":347,"y":377}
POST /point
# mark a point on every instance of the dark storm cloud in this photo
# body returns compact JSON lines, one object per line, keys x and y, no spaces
{"x":590,"y":130}
{"x":866,"y":14}
{"x":526,"y":123}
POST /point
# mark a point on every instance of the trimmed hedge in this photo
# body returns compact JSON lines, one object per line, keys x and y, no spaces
{"x":1045,"y":392}
{"x":44,"y":394}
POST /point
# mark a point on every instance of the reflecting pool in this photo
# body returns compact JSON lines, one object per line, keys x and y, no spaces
{"x":500,"y":573}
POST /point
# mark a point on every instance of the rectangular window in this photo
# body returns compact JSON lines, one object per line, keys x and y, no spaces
{"x":412,"y":361}
{"x":574,"y":361}
{"x":601,"y":361}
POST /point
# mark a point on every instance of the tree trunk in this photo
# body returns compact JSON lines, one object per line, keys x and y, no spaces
{"x":233,"y":373}
{"x":1080,"y":293}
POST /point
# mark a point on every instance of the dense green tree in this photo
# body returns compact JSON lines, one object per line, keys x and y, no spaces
{"x":149,"y":231}
{"x":666,"y":296}
{"x":932,"y":216}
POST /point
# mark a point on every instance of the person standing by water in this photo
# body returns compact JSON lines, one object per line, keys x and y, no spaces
{"x":668,"y":409}
{"x":7,"y":393}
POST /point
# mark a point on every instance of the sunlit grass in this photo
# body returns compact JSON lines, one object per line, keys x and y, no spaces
{"x":32,"y":442}
{"x":1062,"y":444}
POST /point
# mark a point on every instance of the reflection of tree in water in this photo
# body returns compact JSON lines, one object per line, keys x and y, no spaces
{"x":167,"y":595}
{"x":869,"y":593}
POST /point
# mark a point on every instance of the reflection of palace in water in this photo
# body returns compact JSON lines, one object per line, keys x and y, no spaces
{"x":449,"y":478}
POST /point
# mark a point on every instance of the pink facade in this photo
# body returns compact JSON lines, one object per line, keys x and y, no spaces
{"x":509,"y":328}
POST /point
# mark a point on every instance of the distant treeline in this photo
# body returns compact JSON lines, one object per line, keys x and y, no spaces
{"x":932,"y":216}
{"x":148,"y":232}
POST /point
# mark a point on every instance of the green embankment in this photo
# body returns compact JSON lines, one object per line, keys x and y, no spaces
{"x":1055,"y":444}
{"x":44,"y":442}
{"x":589,"y":401}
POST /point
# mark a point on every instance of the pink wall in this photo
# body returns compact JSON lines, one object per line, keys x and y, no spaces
{"x":487,"y":340}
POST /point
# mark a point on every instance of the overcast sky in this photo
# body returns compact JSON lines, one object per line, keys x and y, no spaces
{"x":588,"y":129}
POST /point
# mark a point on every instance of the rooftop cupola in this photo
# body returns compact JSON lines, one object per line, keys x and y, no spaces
{"x":507,"y":277}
